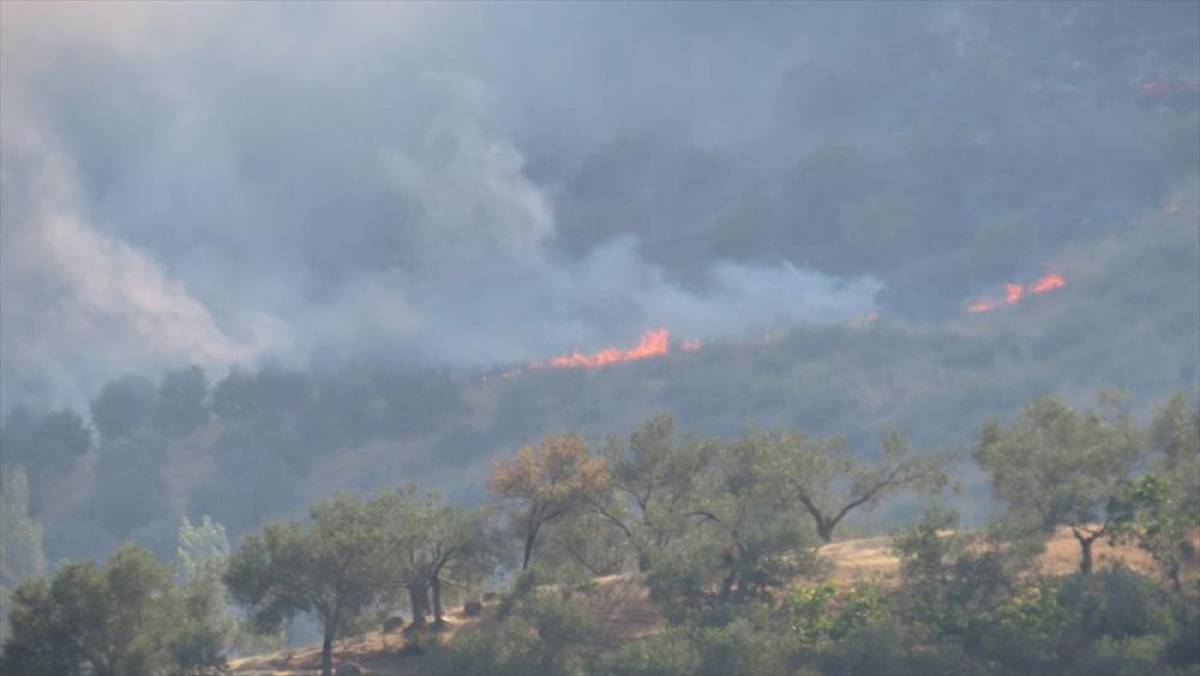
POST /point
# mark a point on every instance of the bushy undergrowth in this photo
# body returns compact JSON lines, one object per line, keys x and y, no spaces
{"x":538,"y":631}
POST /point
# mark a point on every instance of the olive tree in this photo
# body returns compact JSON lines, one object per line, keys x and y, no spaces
{"x":337,"y":567}
{"x":656,"y":485}
{"x":443,"y":542}
{"x":826,"y":480}
{"x":1055,"y":466}
{"x":546,"y":483}
{"x":1160,"y":511}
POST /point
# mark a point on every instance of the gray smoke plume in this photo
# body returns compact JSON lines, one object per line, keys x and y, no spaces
{"x":222,"y":184}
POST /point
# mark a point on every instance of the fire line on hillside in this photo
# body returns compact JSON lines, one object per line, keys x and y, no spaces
{"x":654,"y":343}
{"x":657,"y":342}
{"x":1013,"y":293}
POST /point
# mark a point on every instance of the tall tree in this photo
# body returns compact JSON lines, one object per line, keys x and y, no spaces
{"x":21,"y":553}
{"x":770,"y":538}
{"x":656,"y":484}
{"x":545,"y":483}
{"x":201,"y":558}
{"x":1055,"y":466}
{"x":823,"y":477}
{"x":1160,"y":511}
{"x":201,"y":546}
{"x":338,"y":567}
{"x":443,"y":541}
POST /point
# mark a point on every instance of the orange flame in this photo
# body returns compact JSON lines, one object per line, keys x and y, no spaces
{"x":1013,"y":293}
{"x":691,"y":345}
{"x":654,"y":343}
{"x":1048,"y":282}
{"x":982,"y":305}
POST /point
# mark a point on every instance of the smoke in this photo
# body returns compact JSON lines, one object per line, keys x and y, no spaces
{"x":207,"y":185}
{"x":76,"y":304}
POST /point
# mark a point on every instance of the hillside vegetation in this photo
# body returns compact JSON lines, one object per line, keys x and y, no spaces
{"x":678,"y":553}
{"x":623,"y":611}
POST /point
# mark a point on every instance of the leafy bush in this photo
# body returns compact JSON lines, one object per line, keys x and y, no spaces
{"x":738,"y":648}
{"x":562,"y":624}
{"x":1117,"y":603}
{"x":877,"y":647}
{"x":1024,"y":631}
{"x":512,"y":650}
{"x":1132,"y":656}
{"x":667,"y":653}
{"x":826,"y":613}
{"x":542,"y":629}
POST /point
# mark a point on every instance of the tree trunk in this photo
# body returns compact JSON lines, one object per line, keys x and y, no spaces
{"x":825,"y":530}
{"x":1085,"y":561}
{"x":530,"y":538}
{"x":418,"y":598}
{"x":643,"y":561}
{"x":727,"y":585}
{"x":1173,"y":572}
{"x":327,"y":653}
{"x":436,"y":584}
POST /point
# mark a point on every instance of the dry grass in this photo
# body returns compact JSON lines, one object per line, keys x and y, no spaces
{"x":873,"y":558}
{"x":379,"y":653}
{"x":623,"y":610}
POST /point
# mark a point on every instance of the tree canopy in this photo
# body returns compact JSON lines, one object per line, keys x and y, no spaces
{"x":1055,"y":466}
{"x":338,"y":567}
{"x":545,"y":483}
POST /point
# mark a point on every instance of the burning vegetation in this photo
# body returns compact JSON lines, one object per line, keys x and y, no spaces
{"x":1013,"y":293}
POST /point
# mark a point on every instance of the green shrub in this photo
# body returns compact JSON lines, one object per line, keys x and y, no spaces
{"x":1131,"y":656}
{"x":669,"y":653}
{"x":827,"y":613}
{"x":561,"y":624}
{"x":876,"y":647}
{"x":1117,"y":603}
{"x":738,"y":648}
{"x":679,"y":579}
{"x":513,"y":650}
{"x":1024,"y":631}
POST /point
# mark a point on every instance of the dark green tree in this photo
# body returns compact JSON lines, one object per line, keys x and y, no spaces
{"x":236,"y":396}
{"x":45,"y":445}
{"x":182,"y":403}
{"x":119,"y":620}
{"x":123,"y":406}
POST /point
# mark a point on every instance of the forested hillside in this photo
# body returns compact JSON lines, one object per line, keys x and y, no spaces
{"x":256,"y":444}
